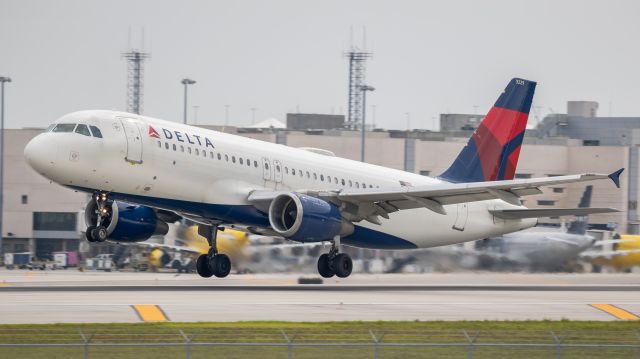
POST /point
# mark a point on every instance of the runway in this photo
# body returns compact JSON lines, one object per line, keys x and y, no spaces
{"x":74,"y":297}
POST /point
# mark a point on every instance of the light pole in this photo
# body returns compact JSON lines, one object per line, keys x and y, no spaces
{"x":186,"y":82}
{"x":364,"y":89}
{"x":3,"y":79}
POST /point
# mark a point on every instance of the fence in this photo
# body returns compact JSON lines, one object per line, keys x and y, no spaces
{"x":309,"y":344}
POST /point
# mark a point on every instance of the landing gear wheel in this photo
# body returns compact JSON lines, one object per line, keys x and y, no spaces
{"x":202,"y":266}
{"x":324,"y":266}
{"x":221,"y":265}
{"x":99,"y":234}
{"x":342,"y":265}
{"x":88,"y":234}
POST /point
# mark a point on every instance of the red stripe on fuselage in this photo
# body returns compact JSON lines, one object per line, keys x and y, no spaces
{"x":505,"y":124}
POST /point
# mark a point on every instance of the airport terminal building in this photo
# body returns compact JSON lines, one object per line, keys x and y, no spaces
{"x":42,"y":217}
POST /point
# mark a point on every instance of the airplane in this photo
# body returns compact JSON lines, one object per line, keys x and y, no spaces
{"x":144,"y":172}
{"x":540,"y":248}
{"x":623,"y":253}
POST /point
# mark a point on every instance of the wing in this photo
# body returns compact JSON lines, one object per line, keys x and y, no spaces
{"x":548,"y":212}
{"x":369,"y":203}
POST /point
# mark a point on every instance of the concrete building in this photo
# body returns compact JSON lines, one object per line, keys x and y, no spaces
{"x":582,"y":124}
{"x":459,"y":122}
{"x":303,"y":121}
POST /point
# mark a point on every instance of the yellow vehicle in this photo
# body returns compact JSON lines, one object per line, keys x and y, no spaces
{"x":626,"y":250}
{"x":230,"y":242}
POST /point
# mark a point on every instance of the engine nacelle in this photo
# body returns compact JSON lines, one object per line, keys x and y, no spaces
{"x":127,"y":222}
{"x":306,"y":219}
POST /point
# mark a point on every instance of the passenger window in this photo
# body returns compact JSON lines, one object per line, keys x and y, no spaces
{"x":204,"y":153}
{"x":255,"y":164}
{"x":197,"y":152}
{"x":175,"y":147}
{"x":181,"y":148}
{"x":308,"y":175}
{"x":226,"y":158}
{"x":189,"y":150}
{"x":335,"y":180}
{"x":83,"y":130}
{"x":211,"y":154}
{"x":219,"y":156}
{"x":233,"y":159}
{"x":166,"y":145}
{"x":278,"y":168}
{"x":240,"y":160}
{"x":300,"y":172}
{"x":96,"y":131}
{"x":357,"y":185}
{"x":315,"y":176}
{"x":286,"y":170}
{"x":322,"y":178}
{"x":159,"y":144}
{"x":329,"y":179}
{"x":293,"y":171}
{"x":266,"y":166}
{"x":342,"y":181}
{"x":248,"y":162}
{"x":64,"y":127}
{"x":350,"y":184}
{"x":364,"y":185}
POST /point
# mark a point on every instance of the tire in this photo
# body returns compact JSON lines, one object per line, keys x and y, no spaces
{"x":99,"y":234}
{"x":324,"y":267}
{"x":221,"y":265}
{"x":202,"y":266}
{"x":89,"y":234}
{"x":342,"y":265}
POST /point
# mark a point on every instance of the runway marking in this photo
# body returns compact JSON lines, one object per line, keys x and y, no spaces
{"x":150,"y":313}
{"x":616,"y":312}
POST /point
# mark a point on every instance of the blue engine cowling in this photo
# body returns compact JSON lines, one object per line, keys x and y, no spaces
{"x":304,"y":218}
{"x":127,"y":222}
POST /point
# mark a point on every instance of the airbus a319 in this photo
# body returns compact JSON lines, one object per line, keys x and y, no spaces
{"x":144,"y":173}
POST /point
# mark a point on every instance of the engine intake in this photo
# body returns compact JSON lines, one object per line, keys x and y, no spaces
{"x":127,"y":222}
{"x":306,"y":219}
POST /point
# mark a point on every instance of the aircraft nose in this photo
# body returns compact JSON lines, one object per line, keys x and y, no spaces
{"x":39,"y":155}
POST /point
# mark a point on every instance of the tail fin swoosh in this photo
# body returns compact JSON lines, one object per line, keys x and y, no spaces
{"x":493,"y":150}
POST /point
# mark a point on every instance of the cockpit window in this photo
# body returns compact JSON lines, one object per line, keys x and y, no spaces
{"x":96,"y":132}
{"x":64,"y":127}
{"x":83,"y":130}
{"x":51,"y":126}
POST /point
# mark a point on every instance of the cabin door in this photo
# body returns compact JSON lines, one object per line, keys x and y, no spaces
{"x":134,"y":140}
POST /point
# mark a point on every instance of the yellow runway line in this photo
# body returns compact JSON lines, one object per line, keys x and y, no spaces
{"x":616,"y":312}
{"x":150,"y":313}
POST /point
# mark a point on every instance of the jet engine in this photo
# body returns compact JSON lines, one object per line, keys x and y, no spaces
{"x":126,"y":222}
{"x":304,"y":218}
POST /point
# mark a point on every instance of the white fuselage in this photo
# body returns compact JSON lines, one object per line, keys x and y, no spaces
{"x":204,"y":173}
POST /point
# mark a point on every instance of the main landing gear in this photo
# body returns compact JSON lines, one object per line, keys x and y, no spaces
{"x":335,"y":263}
{"x":98,"y":232}
{"x":212,"y":263}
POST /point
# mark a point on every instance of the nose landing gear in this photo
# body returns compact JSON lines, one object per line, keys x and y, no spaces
{"x":335,"y":263}
{"x":212,"y":263}
{"x":98,"y":232}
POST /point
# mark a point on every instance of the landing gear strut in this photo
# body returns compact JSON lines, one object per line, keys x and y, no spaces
{"x":335,"y":263}
{"x":98,"y":232}
{"x":212,"y":263}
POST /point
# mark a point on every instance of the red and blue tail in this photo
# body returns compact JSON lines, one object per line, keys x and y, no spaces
{"x":492,"y":151}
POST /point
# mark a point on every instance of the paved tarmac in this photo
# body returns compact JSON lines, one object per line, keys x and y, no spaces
{"x":71,"y":296}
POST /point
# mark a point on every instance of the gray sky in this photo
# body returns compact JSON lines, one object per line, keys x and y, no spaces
{"x":430,"y":57}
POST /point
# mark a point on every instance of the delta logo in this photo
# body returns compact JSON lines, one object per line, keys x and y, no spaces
{"x":181,"y":137}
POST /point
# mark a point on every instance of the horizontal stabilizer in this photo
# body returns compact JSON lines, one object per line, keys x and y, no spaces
{"x":551,"y":212}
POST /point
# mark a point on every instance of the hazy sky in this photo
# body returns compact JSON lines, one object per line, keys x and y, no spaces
{"x":430,"y":57}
